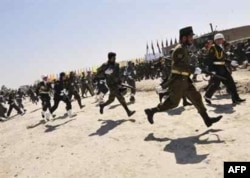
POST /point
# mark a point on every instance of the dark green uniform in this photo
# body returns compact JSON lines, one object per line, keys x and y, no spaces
{"x":180,"y":84}
{"x":89,"y":82}
{"x":166,"y":66}
{"x":111,"y":71}
{"x":86,"y":85}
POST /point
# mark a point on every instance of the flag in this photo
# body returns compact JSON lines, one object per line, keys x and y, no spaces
{"x":175,"y":41}
{"x":171,"y":42}
{"x":152,"y":46}
{"x":82,"y":71}
{"x":94,"y":69}
{"x":166,"y":42}
{"x":53,"y":76}
{"x":162,"y":45}
{"x":50,"y":77}
{"x":158,"y":47}
{"x":147,"y":48}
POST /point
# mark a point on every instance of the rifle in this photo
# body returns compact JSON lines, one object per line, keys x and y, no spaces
{"x":213,"y":75}
{"x":127,"y":86}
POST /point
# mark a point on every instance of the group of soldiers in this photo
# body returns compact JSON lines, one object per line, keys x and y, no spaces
{"x":15,"y":101}
{"x":175,"y":70}
{"x":68,"y":87}
{"x":43,"y":91}
{"x":178,"y":84}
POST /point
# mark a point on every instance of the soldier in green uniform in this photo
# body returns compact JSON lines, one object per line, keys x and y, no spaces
{"x":111,"y":71}
{"x":180,"y":84}
{"x":130,"y":75}
{"x":89,"y":82}
{"x":86,"y":84}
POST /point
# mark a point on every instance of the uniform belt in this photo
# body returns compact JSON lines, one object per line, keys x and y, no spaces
{"x":44,"y":92}
{"x":180,"y":73}
{"x":219,"y":63}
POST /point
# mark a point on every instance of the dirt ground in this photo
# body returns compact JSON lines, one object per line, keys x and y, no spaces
{"x":112,"y":145}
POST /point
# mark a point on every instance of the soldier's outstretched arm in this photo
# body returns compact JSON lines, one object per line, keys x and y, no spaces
{"x":101,"y":70}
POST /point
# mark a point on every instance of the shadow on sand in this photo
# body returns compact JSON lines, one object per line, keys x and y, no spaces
{"x":61,"y":117}
{"x":176,"y":111}
{"x":184,"y":148}
{"x":51,"y":128}
{"x":35,"y":110}
{"x":41,"y":122}
{"x":115,"y":106}
{"x":108,"y":125}
{"x":225,"y":108}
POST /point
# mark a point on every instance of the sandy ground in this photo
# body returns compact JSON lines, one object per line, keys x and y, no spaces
{"x":111,"y":145}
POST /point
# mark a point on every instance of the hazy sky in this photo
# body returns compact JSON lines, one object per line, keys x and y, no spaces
{"x":48,"y":36}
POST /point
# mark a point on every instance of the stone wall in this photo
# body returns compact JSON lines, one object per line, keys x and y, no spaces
{"x":237,"y":33}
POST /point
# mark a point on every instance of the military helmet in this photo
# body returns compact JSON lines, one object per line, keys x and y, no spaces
{"x":44,"y":77}
{"x":219,"y":36}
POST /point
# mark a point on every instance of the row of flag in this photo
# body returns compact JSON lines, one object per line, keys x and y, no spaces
{"x":162,"y":46}
{"x":79,"y":72}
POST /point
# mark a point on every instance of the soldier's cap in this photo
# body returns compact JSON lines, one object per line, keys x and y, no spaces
{"x":44,"y":76}
{"x":186,"y":31}
{"x":111,"y":54}
{"x":62,"y":74}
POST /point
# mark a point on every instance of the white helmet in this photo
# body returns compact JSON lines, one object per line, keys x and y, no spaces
{"x":44,"y":76}
{"x":219,"y":36}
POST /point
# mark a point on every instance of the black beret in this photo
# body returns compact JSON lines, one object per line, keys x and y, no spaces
{"x":62,"y":74}
{"x":111,"y":54}
{"x":186,"y":31}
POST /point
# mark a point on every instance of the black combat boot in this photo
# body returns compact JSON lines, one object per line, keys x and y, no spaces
{"x":208,"y":100}
{"x":82,"y":106}
{"x":129,"y":113}
{"x":43,"y":114}
{"x":186,"y":103}
{"x":150,"y":114}
{"x":238,"y":100}
{"x":132,"y":99}
{"x":101,"y":108}
{"x":209,"y":120}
